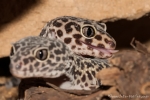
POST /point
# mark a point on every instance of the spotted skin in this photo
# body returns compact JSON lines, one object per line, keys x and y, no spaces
{"x":82,"y":36}
{"x":48,"y":58}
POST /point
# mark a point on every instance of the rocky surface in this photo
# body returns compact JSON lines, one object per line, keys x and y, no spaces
{"x":24,"y":18}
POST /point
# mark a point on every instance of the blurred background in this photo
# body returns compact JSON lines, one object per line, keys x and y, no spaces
{"x":125,"y":19}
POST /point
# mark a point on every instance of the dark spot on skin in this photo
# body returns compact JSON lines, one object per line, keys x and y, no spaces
{"x":88,"y":41}
{"x":78,"y":81}
{"x":86,"y":84}
{"x":93,"y":62}
{"x":87,"y":22}
{"x":17,"y":58}
{"x":83,"y":78}
{"x":48,"y":62}
{"x":78,"y":42}
{"x":89,"y":75}
{"x":53,"y":64}
{"x":77,"y":36}
{"x":23,"y":44}
{"x":73,"y":47}
{"x":82,"y":86}
{"x":36,"y":64}
{"x":98,"y":69}
{"x":106,"y":40}
{"x":67,"y":40}
{"x":44,"y":69}
{"x":37,"y":69}
{"x":106,"y":65}
{"x":31,"y":68}
{"x":52,"y":46}
{"x":61,"y":66}
{"x":70,"y":57}
{"x":79,"y":48}
{"x":82,"y":65}
{"x":57,"y":24}
{"x":69,"y":29}
{"x":57,"y":44}
{"x":93,"y":53}
{"x":64,"y":19}
{"x":22,"y":49}
{"x":111,"y":43}
{"x":88,"y":64}
{"x":50,"y":70}
{"x":73,"y":70}
{"x":51,"y":30}
{"x":98,"y":37}
{"x":93,"y":72}
{"x":78,"y":73}
{"x":26,"y":61}
{"x":57,"y":52}
{"x":31,"y":59}
{"x":67,"y":69}
{"x":78,"y":61}
{"x":64,"y":49}
{"x":63,"y":58}
{"x":45,"y":42}
{"x":59,"y":33}
{"x":73,"y":18}
{"x":101,"y":46}
{"x":51,"y":56}
{"x":43,"y":65}
{"x":57,"y":58}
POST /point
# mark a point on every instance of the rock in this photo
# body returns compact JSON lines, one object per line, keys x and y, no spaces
{"x":25,"y":18}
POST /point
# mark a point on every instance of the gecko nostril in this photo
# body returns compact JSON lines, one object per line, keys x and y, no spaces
{"x":111,"y":43}
{"x":19,"y":65}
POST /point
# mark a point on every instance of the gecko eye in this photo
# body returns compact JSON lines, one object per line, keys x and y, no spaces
{"x":12,"y":51}
{"x":42,"y":54}
{"x":88,"y":31}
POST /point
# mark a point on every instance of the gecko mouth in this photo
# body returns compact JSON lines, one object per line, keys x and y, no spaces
{"x":103,"y":50}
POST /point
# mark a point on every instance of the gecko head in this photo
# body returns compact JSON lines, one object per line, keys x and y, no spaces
{"x":82,"y":36}
{"x":38,"y":57}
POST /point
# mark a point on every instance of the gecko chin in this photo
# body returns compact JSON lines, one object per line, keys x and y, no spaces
{"x":100,"y":52}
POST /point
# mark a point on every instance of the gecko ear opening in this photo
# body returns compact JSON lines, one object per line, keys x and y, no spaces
{"x":12,"y":51}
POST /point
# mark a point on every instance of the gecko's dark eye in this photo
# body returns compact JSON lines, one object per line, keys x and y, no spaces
{"x":42,"y":54}
{"x":88,"y":31}
{"x":11,"y":51}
